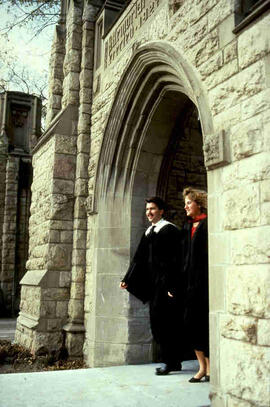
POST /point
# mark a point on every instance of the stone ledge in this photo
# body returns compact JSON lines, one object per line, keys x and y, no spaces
{"x":73,"y":328}
{"x":27,"y":320}
{"x":62,"y":124}
{"x":33,"y":277}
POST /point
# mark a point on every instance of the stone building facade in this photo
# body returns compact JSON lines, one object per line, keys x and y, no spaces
{"x":147,"y":97}
{"x":20,"y":121}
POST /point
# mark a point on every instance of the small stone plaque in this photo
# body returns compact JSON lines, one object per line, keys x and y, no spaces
{"x":215,"y":154}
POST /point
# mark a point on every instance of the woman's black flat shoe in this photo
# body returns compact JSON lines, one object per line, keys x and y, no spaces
{"x":194,"y":380}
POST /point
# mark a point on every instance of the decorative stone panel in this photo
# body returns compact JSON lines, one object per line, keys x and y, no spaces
{"x":215,"y":152}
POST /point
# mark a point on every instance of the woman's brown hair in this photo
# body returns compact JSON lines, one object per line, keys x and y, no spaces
{"x":198,"y":196}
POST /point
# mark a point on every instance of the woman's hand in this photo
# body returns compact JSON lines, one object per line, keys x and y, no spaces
{"x":170,"y":294}
{"x":123,"y":285}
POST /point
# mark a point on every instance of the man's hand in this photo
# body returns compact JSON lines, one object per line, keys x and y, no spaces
{"x":123,"y":285}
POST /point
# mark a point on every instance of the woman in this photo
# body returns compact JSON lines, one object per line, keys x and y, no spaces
{"x":196,"y":271}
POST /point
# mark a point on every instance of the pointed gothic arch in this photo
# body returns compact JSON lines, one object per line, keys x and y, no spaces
{"x":156,"y":88}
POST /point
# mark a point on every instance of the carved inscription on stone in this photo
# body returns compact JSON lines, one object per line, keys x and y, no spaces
{"x":214,"y":150}
{"x":123,"y":32}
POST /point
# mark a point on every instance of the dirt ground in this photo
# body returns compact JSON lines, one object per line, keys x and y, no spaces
{"x":16,"y":359}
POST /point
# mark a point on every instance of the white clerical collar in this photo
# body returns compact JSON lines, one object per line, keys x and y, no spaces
{"x":158,"y":226}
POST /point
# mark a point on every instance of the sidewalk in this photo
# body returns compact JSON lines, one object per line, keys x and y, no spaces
{"x":119,"y":386}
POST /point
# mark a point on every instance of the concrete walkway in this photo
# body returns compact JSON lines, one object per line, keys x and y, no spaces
{"x":118,"y":386}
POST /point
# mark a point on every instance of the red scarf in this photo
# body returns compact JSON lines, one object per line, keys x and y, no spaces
{"x":194,"y":220}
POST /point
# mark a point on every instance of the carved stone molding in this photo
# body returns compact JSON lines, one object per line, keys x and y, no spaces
{"x":90,"y":205}
{"x":215,"y":152}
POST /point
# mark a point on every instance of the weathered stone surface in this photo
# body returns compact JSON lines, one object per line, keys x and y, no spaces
{"x":50,"y":340}
{"x":81,"y":187}
{"x":61,"y":309}
{"x":236,"y":90}
{"x":246,"y":364}
{"x":87,"y":59}
{"x":64,"y":166}
{"x":241,"y":208}
{"x":75,"y":344}
{"x":77,"y":291}
{"x":241,"y":328}
{"x":66,"y":236}
{"x":264,"y":332}
{"x":256,"y":104}
{"x":246,"y":138}
{"x":206,"y":48}
{"x":221,"y":11}
{"x":65,"y":278}
{"x":237,"y":402}
{"x":58,"y":257}
{"x":226,"y":28}
{"x":65,"y":144}
{"x":253,"y":169}
{"x":61,"y":186}
{"x":54,"y":294}
{"x":254,"y":43}
{"x":71,"y":82}
{"x":251,"y":246}
{"x":84,"y":123}
{"x":251,"y":298}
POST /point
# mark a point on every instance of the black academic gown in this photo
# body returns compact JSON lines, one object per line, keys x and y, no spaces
{"x":196,"y":316}
{"x":156,"y":269}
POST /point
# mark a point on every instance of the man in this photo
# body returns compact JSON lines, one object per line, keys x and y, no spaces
{"x":154,"y":276}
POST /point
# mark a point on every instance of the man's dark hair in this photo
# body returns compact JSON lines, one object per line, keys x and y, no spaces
{"x":157,"y":201}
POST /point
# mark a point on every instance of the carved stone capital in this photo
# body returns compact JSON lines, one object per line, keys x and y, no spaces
{"x":90,"y":205}
{"x":215,"y":152}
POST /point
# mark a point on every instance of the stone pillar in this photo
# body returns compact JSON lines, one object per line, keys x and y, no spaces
{"x":3,"y":163}
{"x":56,"y":74}
{"x":46,"y":285}
{"x":10,"y":231}
{"x":72,"y":61}
{"x":75,"y":327}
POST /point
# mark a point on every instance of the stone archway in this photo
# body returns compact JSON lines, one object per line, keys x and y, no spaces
{"x":157,"y":89}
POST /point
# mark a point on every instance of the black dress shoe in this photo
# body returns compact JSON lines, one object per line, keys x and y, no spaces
{"x":162,"y":371}
{"x":194,"y":380}
{"x":207,"y":378}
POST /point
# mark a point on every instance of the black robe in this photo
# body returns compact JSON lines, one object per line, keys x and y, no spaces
{"x":196,"y":316}
{"x":156,"y":269}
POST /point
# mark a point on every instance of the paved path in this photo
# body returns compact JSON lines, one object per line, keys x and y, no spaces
{"x":7,"y":328}
{"x":119,"y":386}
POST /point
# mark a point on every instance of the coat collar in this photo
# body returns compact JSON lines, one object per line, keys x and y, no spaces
{"x":158,"y":226}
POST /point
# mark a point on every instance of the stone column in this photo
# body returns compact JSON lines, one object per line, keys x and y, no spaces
{"x":3,"y":163}
{"x":72,"y":61}
{"x":56,"y":74}
{"x":46,"y":286}
{"x":75,"y":327}
{"x":9,"y":230}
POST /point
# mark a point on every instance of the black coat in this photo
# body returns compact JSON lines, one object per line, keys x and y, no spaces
{"x":156,"y":269}
{"x":197,"y":298}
